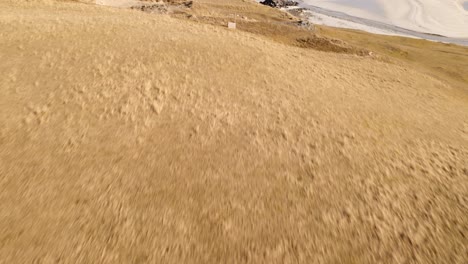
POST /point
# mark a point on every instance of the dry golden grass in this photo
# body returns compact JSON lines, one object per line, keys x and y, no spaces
{"x":129,"y":137}
{"x":447,"y":62}
{"x":262,"y":20}
{"x":444,"y":61}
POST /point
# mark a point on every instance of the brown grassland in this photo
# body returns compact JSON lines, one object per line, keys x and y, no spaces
{"x":137,"y":137}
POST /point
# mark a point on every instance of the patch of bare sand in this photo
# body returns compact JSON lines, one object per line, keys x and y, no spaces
{"x":129,"y":137}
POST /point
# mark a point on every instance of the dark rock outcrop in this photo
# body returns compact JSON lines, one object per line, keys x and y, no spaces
{"x":279,"y":3}
{"x":306,"y":25}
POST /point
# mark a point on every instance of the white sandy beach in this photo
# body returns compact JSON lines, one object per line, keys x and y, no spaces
{"x":339,"y":22}
{"x":442,"y":17}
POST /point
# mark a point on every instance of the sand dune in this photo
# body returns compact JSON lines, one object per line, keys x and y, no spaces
{"x":128,"y":137}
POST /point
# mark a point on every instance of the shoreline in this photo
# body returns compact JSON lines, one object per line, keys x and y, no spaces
{"x":357,"y":23}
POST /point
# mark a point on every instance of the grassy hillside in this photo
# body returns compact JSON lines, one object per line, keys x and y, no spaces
{"x":129,"y":137}
{"x":447,"y":62}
